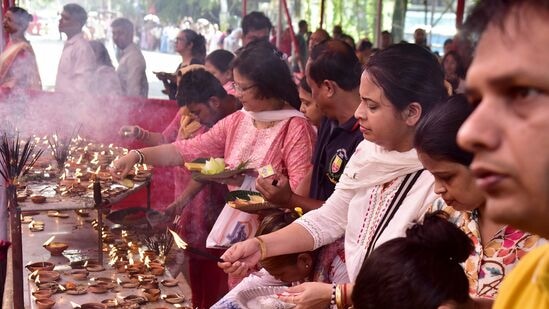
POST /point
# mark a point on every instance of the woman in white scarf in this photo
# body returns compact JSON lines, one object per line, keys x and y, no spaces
{"x":383,"y":189}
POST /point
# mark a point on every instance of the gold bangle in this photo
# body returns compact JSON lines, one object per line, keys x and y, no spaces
{"x":262,"y":248}
{"x":339,"y":303}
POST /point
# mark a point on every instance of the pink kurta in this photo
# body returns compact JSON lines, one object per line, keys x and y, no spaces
{"x":287,"y":146}
{"x":171,"y":133}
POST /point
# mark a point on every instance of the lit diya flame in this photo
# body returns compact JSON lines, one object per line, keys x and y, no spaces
{"x":113,"y":260}
{"x":48,"y":241}
{"x":95,"y":159}
{"x":147,"y":261}
{"x":178,"y":241}
{"x":183,"y":245}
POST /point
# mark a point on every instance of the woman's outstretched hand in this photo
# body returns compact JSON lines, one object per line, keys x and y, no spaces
{"x":121,"y":167}
{"x":241,"y":257}
{"x":308,"y":295}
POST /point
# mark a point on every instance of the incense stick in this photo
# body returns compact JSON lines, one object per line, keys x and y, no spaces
{"x":16,"y":161}
{"x":60,"y":146}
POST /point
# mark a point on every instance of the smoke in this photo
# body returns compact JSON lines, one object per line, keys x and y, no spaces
{"x":44,"y":113}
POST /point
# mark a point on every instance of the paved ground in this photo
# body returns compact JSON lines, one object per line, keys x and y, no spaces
{"x":48,"y":51}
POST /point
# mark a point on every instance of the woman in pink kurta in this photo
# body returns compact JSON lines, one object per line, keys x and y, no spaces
{"x":285,"y":145}
{"x":269,"y":129}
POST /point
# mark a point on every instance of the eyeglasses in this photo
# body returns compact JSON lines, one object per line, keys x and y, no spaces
{"x":179,"y":39}
{"x":240,"y":89}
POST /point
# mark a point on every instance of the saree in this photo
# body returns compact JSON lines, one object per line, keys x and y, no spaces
{"x":18,"y":68}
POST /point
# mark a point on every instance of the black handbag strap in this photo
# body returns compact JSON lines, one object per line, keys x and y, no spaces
{"x":396,"y":202}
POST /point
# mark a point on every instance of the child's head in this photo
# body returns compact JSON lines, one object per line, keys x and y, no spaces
{"x":308,"y":105}
{"x":421,"y":270}
{"x":287,"y":268}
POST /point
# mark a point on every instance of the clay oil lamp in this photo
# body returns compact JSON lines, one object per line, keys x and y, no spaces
{"x":21,"y":198}
{"x":120,"y":266}
{"x":173,"y":298}
{"x":41,"y":276}
{"x":149,"y":284}
{"x":134,"y":247}
{"x":52,"y":287}
{"x":45,"y":303}
{"x":152,"y":295}
{"x":151,"y":254}
{"x":54,"y":247}
{"x":76,"y":289}
{"x":104,"y":281}
{"x":111,"y":303}
{"x":128,"y":284}
{"x":169,"y":282}
{"x":157,"y":270}
{"x":42,"y":294}
{"x":135,"y":267}
{"x":79,"y":274}
{"x":136,"y":299}
{"x":93,"y":266}
{"x":148,"y":281}
{"x":36,"y":226}
{"x":98,"y":289}
{"x":38,"y":199}
{"x":82,"y":213}
{"x":40,"y":266}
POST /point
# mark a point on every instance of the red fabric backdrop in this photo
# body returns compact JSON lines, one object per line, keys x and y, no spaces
{"x":100,"y":118}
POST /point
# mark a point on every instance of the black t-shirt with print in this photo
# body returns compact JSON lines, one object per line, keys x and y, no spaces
{"x":335,"y":145}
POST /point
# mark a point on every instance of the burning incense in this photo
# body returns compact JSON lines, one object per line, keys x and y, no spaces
{"x":60,"y":146}
{"x":161,"y":243}
{"x":16,"y":161}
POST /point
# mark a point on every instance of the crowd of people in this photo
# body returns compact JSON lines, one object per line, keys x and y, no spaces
{"x":399,"y":180}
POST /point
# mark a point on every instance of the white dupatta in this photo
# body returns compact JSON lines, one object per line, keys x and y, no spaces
{"x":372,"y":165}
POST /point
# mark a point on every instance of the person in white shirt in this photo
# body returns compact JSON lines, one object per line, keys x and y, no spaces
{"x":131,"y":63}
{"x":77,"y":62}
